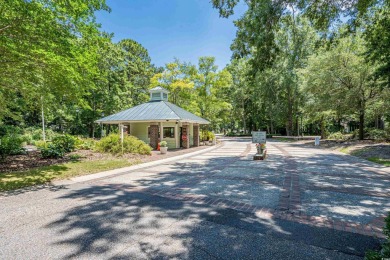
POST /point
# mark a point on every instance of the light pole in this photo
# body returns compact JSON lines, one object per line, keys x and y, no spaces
{"x":102,"y":130}
{"x":43,"y":121}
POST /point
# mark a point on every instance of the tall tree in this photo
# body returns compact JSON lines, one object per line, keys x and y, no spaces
{"x":339,"y":79}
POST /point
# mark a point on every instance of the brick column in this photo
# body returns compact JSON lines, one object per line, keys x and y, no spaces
{"x":186,"y":132}
{"x":196,"y":135}
{"x":153,"y":135}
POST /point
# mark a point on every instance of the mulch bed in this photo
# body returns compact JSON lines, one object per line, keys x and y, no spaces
{"x":28,"y":161}
{"x":32,"y":159}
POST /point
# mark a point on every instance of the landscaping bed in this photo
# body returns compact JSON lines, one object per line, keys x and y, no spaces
{"x":375,"y":151}
{"x":19,"y":171}
{"x":33,"y":159}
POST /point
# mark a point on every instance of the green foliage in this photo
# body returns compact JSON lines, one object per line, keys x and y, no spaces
{"x":10,"y":144}
{"x":163,"y":144}
{"x":337,"y":136}
{"x":378,"y":41}
{"x":75,"y":157}
{"x":377,"y":134}
{"x":52,"y":151}
{"x":228,"y":134}
{"x":10,"y":129}
{"x":384,"y":253}
{"x":35,"y":134}
{"x":112,"y":144}
{"x":85,"y":143}
{"x":40,"y":144}
{"x":59,"y":146}
{"x":66,"y":143}
{"x":207,"y":135}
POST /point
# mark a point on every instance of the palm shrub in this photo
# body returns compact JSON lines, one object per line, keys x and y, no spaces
{"x":131,"y":144}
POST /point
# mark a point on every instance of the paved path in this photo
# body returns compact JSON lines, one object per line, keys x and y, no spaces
{"x":300,"y":203}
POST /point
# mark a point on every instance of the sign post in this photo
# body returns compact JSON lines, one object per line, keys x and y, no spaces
{"x":260,"y":139}
{"x":122,"y":129}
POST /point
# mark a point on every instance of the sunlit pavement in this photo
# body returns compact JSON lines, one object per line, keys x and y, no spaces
{"x":301,"y":203}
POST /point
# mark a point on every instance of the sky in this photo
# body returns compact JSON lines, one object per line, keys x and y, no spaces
{"x":185,"y":29}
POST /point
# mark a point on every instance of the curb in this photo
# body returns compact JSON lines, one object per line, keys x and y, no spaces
{"x":109,"y":173}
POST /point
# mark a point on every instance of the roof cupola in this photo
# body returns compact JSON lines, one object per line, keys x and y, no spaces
{"x":158,"y":94}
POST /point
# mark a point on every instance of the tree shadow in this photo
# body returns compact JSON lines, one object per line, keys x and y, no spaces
{"x":118,"y":223}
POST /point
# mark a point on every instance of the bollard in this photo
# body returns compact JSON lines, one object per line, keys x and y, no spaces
{"x":317,"y":141}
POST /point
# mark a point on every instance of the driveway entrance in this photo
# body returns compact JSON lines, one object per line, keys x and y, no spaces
{"x":301,"y":203}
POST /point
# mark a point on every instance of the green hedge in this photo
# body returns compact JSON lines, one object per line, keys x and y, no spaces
{"x":112,"y":144}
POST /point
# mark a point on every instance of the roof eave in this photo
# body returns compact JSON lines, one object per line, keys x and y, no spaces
{"x":151,"y":121}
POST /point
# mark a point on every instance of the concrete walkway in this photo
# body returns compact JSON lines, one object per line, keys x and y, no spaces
{"x":300,"y":203}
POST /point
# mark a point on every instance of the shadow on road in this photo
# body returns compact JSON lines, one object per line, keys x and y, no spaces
{"x":120,"y":223}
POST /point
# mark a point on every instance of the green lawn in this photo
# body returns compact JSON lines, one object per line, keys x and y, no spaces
{"x":385,"y":162}
{"x":15,"y":180}
{"x":283,"y":139}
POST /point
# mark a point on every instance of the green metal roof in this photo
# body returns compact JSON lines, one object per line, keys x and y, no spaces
{"x":153,"y":111}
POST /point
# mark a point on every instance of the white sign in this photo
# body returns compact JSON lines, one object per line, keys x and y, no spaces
{"x":259,"y":137}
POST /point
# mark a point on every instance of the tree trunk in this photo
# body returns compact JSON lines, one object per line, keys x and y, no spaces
{"x":323,"y":134}
{"x":361,"y":124}
{"x":290,"y":123}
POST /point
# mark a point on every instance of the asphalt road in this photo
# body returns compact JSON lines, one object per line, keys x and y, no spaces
{"x":154,"y":212}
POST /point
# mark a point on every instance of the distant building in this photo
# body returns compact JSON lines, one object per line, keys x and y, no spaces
{"x":159,"y":120}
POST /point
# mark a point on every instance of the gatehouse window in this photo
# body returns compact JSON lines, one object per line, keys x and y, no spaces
{"x":169,"y":132}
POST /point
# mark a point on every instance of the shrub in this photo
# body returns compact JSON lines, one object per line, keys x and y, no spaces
{"x":52,"y":151}
{"x":58,"y":147}
{"x":384,"y":253}
{"x":28,"y":138}
{"x":230,"y":134}
{"x":337,"y":136}
{"x":75,"y":157}
{"x":10,"y":130}
{"x":85,"y":144}
{"x":36,"y":133}
{"x":355,"y":134}
{"x":40,"y":144}
{"x":377,"y":134}
{"x":112,"y":144}
{"x":65,"y":142}
{"x":207,"y":135}
{"x":11,"y":144}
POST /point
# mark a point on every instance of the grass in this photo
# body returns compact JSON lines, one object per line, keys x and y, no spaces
{"x":283,"y":139}
{"x":41,"y":175}
{"x":385,"y":162}
{"x":345,"y":150}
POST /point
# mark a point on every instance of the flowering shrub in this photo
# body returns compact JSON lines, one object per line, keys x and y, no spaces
{"x":262,"y":146}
